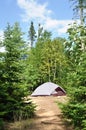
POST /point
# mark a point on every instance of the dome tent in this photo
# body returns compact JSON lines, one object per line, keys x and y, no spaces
{"x":48,"y":89}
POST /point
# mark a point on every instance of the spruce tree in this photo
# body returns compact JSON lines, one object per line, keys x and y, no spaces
{"x":13,"y":82}
{"x":32,"y":34}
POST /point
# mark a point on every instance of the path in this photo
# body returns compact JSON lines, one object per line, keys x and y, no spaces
{"x":48,"y":114}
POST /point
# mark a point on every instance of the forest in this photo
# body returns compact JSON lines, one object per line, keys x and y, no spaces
{"x":27,"y":64}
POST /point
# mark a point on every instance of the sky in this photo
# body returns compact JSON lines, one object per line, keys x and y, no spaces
{"x":53,"y":15}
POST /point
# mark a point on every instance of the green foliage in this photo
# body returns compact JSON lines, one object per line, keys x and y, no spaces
{"x":75,"y":109}
{"x":1,"y":124}
{"x":77,"y":113}
{"x":24,"y":111}
{"x":53,"y":60}
{"x":76,"y":44}
{"x":46,"y":62}
{"x":12,"y":82}
{"x":57,"y":60}
{"x":79,"y":9}
{"x":32,"y":34}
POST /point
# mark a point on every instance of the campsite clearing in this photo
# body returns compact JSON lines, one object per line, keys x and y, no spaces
{"x":48,"y":115}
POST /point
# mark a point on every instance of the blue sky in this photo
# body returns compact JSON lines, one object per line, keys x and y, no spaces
{"x":53,"y":15}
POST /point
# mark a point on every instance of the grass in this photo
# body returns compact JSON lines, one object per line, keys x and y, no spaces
{"x":20,"y":125}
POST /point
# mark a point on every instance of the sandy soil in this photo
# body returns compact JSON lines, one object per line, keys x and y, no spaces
{"x":48,"y":114}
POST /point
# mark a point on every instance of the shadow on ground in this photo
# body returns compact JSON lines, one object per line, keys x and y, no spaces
{"x":38,"y":124}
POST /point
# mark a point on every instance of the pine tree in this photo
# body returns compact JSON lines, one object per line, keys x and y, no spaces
{"x":32,"y":34}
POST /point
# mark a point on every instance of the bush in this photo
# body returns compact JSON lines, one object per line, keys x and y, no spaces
{"x":27,"y":110}
{"x":14,"y":110}
{"x":77,"y":113}
{"x":1,"y":124}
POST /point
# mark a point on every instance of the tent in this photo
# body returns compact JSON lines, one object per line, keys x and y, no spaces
{"x":48,"y":89}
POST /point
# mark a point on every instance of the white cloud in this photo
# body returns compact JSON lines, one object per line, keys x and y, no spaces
{"x":1,"y":35}
{"x":63,"y":25}
{"x":33,"y":10}
{"x":2,"y":49}
{"x":55,"y":24}
{"x":50,"y":23}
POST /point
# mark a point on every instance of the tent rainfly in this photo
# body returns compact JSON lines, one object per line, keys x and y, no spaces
{"x":48,"y":89}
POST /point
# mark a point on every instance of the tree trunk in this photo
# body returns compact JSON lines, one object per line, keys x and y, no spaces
{"x":81,"y":12}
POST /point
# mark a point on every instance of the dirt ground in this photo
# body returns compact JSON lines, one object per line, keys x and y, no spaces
{"x":48,"y":115}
